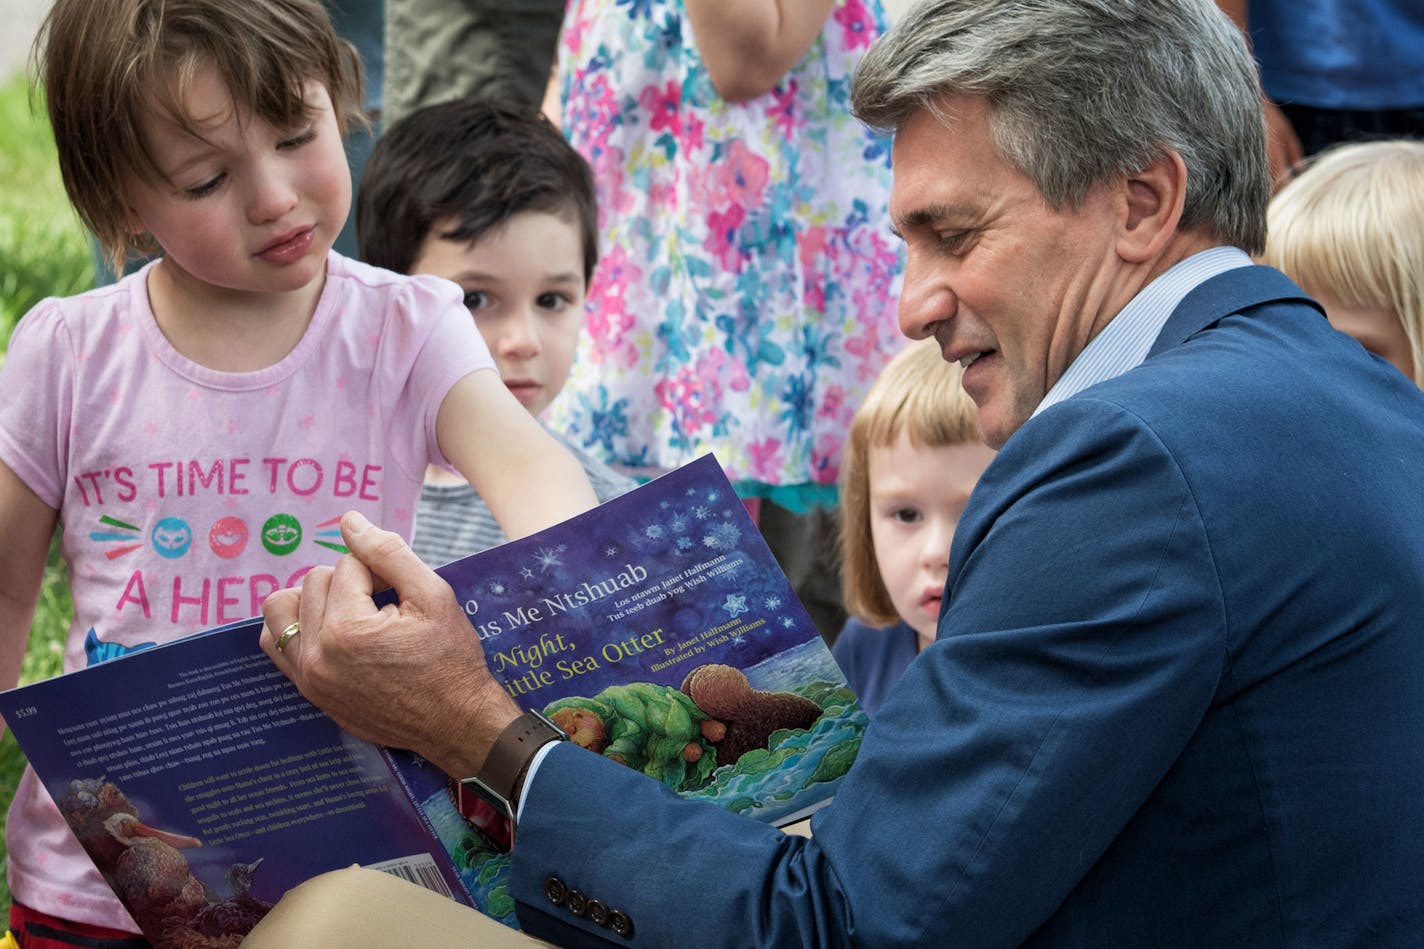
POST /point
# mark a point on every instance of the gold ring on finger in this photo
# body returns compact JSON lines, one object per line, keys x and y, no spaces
{"x":292,"y":629}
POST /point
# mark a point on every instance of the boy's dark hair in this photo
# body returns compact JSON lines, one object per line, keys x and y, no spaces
{"x":473,"y":162}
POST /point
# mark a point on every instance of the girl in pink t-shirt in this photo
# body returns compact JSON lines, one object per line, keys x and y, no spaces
{"x":198,"y":428}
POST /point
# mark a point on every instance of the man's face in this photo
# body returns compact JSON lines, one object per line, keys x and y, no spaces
{"x":1009,"y":287}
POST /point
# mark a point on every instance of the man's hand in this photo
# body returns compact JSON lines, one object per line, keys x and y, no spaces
{"x":410,"y":674}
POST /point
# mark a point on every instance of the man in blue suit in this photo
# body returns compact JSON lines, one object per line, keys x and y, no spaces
{"x":1177,"y":697}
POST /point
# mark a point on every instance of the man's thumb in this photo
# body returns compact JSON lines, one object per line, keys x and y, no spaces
{"x":352,"y":524}
{"x":384,"y":553}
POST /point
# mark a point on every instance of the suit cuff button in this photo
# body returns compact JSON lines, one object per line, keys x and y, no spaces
{"x":576,"y":903}
{"x":555,"y":891}
{"x":597,"y":913}
{"x":620,"y":923}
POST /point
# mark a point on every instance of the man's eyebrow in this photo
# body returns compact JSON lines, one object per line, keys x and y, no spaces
{"x":924,"y":216}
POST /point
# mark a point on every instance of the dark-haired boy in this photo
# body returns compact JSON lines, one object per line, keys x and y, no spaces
{"x":490,"y":196}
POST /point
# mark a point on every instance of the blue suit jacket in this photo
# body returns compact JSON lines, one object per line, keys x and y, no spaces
{"x":1177,"y":697}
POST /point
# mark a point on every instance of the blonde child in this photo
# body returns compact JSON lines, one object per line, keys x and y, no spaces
{"x":1350,"y":230}
{"x":492,"y":196}
{"x":912,"y":457}
{"x":197,"y":428}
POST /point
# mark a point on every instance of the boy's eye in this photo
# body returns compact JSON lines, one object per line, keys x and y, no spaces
{"x":476,"y":300}
{"x":298,"y":140}
{"x":556,"y":302}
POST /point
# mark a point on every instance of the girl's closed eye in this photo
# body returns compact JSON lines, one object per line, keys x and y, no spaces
{"x":204,"y":189}
{"x":301,"y":138}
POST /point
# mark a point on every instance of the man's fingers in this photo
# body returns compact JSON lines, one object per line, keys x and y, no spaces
{"x":386,"y":556}
{"x":278,"y":610}
{"x":315,"y":595}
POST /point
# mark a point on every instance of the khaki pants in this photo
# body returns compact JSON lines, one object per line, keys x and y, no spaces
{"x":360,"y":907}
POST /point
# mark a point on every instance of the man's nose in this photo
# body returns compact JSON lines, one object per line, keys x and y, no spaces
{"x":925,"y":300}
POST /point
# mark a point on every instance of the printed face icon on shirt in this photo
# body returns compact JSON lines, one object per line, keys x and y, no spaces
{"x":916,"y":496}
{"x":523,"y":282}
{"x":247,"y":206}
{"x":228,"y":537}
{"x":172,"y":537}
{"x":1011,"y":287}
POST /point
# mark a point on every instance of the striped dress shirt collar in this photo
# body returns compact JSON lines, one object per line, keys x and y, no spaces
{"x":1125,"y":341}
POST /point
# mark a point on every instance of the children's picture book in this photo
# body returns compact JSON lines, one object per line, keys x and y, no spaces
{"x":656,"y":629}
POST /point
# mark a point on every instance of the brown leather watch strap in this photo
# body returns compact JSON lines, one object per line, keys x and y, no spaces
{"x":514,"y":749}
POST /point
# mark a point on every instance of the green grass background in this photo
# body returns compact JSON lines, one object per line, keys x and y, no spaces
{"x":42,"y":253}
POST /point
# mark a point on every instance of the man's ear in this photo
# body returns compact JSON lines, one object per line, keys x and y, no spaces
{"x":1153,"y":199}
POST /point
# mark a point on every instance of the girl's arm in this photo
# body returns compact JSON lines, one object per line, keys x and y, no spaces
{"x":526,"y":477}
{"x":27,"y":524}
{"x":748,"y":45}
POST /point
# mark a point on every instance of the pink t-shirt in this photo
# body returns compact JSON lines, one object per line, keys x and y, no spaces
{"x":187,"y":495}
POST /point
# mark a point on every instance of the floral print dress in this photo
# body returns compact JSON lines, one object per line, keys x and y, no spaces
{"x":748,"y":284}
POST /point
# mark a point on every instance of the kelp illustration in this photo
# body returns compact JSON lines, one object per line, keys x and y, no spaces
{"x":681,"y":736}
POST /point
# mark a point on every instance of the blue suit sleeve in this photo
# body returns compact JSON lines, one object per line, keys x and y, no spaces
{"x":1082,"y":645}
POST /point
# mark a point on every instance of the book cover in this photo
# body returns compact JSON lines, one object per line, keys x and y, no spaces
{"x":657,"y":629}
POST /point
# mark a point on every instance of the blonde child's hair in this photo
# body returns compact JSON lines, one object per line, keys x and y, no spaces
{"x":917,"y":395}
{"x":1350,"y":227}
{"x":106,"y":64}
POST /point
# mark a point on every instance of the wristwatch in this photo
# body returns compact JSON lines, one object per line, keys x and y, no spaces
{"x":487,"y":800}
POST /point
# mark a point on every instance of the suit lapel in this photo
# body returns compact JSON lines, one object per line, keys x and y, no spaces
{"x":1220,"y":296}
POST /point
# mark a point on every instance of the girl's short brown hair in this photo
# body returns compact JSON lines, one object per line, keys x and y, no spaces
{"x":917,"y":395}
{"x":107,"y":64}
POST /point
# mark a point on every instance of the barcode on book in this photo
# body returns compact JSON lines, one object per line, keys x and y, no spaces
{"x":419,"y":869}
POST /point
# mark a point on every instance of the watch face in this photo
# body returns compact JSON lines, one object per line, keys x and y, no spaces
{"x":485,"y":812}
